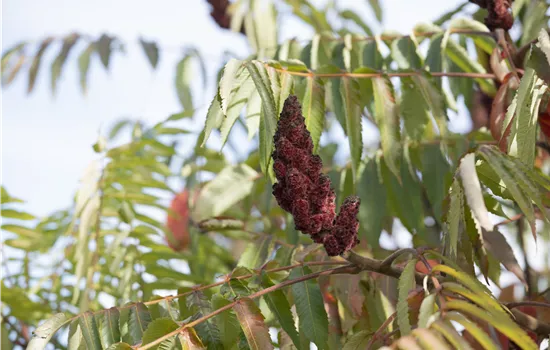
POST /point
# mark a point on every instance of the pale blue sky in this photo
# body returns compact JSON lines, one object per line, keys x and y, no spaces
{"x":47,"y":141}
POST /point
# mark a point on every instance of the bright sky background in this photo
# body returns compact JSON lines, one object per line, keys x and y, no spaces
{"x":47,"y":140}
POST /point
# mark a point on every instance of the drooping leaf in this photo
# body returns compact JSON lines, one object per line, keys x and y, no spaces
{"x":184,"y":75}
{"x":312,"y":316}
{"x":372,"y":211}
{"x":158,"y":328}
{"x":207,"y":330}
{"x":35,"y":65}
{"x":90,"y":331}
{"x":435,"y":176}
{"x":84,"y":66}
{"x":453,"y":218}
{"x":241,"y":93}
{"x":226,"y":322}
{"x":404,"y":53}
{"x":138,"y":321}
{"x":426,"y":310}
{"x":354,"y":17}
{"x":376,"y":8}
{"x":406,"y":283}
{"x":429,"y":340}
{"x":352,"y":107}
{"x":278,"y":304}
{"x":414,"y":109}
{"x":227,"y":82}
{"x":386,"y":117}
{"x":492,"y":239}
{"x":109,"y":330}
{"x":468,"y":25}
{"x":104,"y":49}
{"x":358,"y":341}
{"x":189,"y":340}
{"x":451,"y":335}
{"x":59,"y":61}
{"x":151,"y":51}
{"x":312,"y":97}
{"x":253,"y":113}
{"x":256,"y":252}
{"x":214,"y":118}
{"x":268,"y":122}
{"x":43,"y":333}
{"x":252,"y":323}
{"x":120,"y":346}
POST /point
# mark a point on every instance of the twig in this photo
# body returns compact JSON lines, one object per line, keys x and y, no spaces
{"x":512,"y":219}
{"x":531,"y":323}
{"x":528,"y":279}
{"x":527,"y":303}
{"x":387,"y":262}
{"x":380,"y":329}
{"x":336,"y":270}
{"x":312,"y":74}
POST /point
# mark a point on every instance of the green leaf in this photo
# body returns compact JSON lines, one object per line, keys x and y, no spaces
{"x":434,"y":99}
{"x":214,"y":118}
{"x":386,"y":116}
{"x":435,"y":176}
{"x":354,"y":17}
{"x":479,"y":335}
{"x":252,"y":323}
{"x":256,"y":252}
{"x":253,"y":113}
{"x":35,"y":65}
{"x":230,"y":186}
{"x":14,"y":214}
{"x":376,"y":8}
{"x":312,"y":316}
{"x":59,"y":61}
{"x":109,"y":327}
{"x":184,"y":75}
{"x":90,"y":331}
{"x":151,"y":51}
{"x":453,"y":219}
{"x":84,"y":65}
{"x":226,"y":322}
{"x":278,"y":304}
{"x":76,"y":340}
{"x":43,"y":333}
{"x":138,"y":321}
{"x":406,"y":283}
{"x":414,"y":108}
{"x":372,"y":211}
{"x":504,"y":324}
{"x":157,"y":329}
{"x":404,"y":52}
{"x":208,"y":330}
{"x":120,"y":346}
{"x":462,"y":59}
{"x":269,"y":117}
{"x":521,"y":141}
{"x":539,"y":57}
{"x":372,"y":57}
{"x":429,"y":340}
{"x":352,"y":107}
{"x":229,"y":82}
{"x":358,"y":341}
{"x":426,"y":310}
{"x":243,"y":89}
{"x":104,"y":49}
{"x":312,"y":97}
{"x":468,"y":25}
{"x":20,"y":230}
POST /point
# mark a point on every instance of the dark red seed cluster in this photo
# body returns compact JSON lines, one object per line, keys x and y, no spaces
{"x":304,"y":191}
{"x":499,"y":13}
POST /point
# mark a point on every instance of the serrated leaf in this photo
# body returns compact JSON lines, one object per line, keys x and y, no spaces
{"x":386,"y":117}
{"x":84,"y":65}
{"x":468,"y":25}
{"x":238,"y":98}
{"x":453,"y":218}
{"x":59,"y":61}
{"x":151,"y":51}
{"x":434,"y":99}
{"x":312,"y":97}
{"x":35,"y":65}
{"x":138,"y":320}
{"x":404,"y":53}
{"x":226,"y":322}
{"x":521,"y":141}
{"x":252,"y":323}
{"x":414,"y":108}
{"x":372,"y":211}
{"x":352,"y":107}
{"x":278,"y":304}
{"x":158,"y":328}
{"x":504,"y":324}
{"x":227,"y":82}
{"x":104,"y":49}
{"x":310,"y":308}
{"x":539,"y":57}
{"x":90,"y":331}
{"x":109,"y":327}
{"x":435,"y":172}
{"x":207,"y":330}
{"x":76,"y":340}
{"x":405,"y":284}
{"x":253,"y":113}
{"x":358,"y":341}
{"x":214,"y":118}
{"x":184,"y":75}
{"x":43,"y":333}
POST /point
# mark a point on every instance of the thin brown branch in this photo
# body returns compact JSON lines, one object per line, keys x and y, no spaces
{"x":380,"y":329}
{"x":336,"y":270}
{"x":527,"y":303}
{"x":312,"y":74}
{"x":531,"y":323}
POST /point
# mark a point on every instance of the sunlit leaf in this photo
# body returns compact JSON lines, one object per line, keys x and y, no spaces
{"x":158,"y":328}
{"x":406,"y":283}
{"x":252,"y":323}
{"x":388,"y":122}
{"x":43,"y":333}
{"x":90,"y":331}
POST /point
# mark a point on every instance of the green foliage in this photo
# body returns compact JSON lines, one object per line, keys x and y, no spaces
{"x":201,"y":224}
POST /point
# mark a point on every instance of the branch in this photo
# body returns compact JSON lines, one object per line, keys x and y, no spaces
{"x":531,"y":323}
{"x":337,"y":270}
{"x":312,"y":74}
{"x":373,"y":265}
